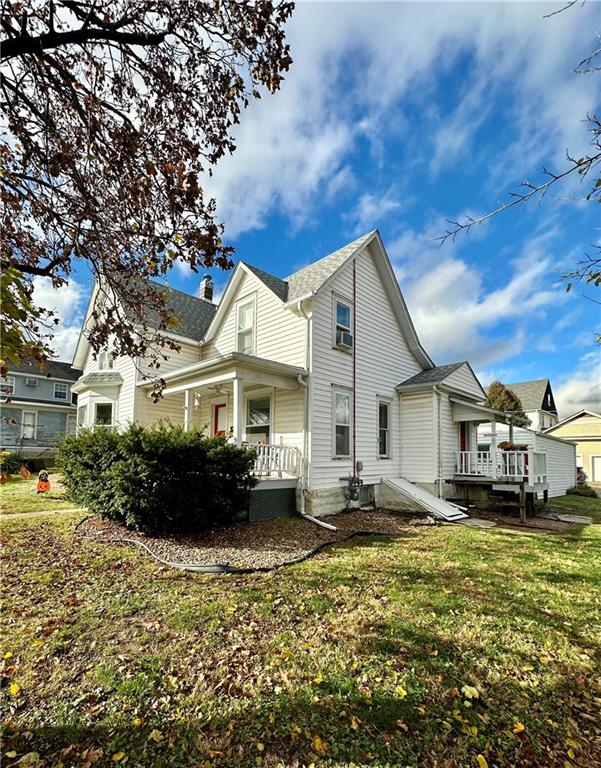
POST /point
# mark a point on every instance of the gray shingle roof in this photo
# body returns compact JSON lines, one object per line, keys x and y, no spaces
{"x":54,"y":369}
{"x":432,"y":376}
{"x":194,"y":314}
{"x":531,"y":393}
{"x":309,"y":279}
{"x":275,"y":284}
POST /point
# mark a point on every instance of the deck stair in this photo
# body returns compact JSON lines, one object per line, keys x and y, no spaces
{"x":444,"y":510}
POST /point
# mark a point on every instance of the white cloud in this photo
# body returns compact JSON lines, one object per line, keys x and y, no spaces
{"x":372,"y":209}
{"x":581,"y":388}
{"x":457,"y":317}
{"x":68,"y":304}
{"x":358,"y":66}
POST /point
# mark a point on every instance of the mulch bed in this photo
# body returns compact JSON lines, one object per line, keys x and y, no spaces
{"x":267,"y":544}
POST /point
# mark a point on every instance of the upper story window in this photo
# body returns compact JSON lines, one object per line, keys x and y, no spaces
{"x":61,"y":391}
{"x":343,"y":338}
{"x":105,"y":361}
{"x":246,"y":327}
{"x":7,"y":388}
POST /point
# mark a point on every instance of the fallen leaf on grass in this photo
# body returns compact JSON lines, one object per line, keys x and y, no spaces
{"x":14,"y":689}
{"x":481,"y":761}
{"x":470,"y":692}
{"x":155,"y":736}
{"x":118,"y":757}
{"x":519,"y":727}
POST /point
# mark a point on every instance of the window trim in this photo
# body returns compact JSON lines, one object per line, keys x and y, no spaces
{"x":338,"y":298}
{"x":337,"y":390}
{"x":240,"y":304}
{"x":84,"y":424}
{"x":5,"y":384}
{"x":259,"y":395}
{"x":388,"y":403}
{"x":35,"y":424}
{"x":64,"y":399}
{"x":95,"y":412}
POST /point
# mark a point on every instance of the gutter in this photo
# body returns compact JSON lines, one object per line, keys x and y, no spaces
{"x":304,"y":382}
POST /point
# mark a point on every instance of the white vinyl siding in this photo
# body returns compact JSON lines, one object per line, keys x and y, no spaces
{"x":280,"y":334}
{"x":418,"y":448}
{"x":464,"y":380}
{"x":383,"y":360}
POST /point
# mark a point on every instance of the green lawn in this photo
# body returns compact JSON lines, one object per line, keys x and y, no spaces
{"x":449,"y":647}
{"x":580,"y":505}
{"x":19,"y":495}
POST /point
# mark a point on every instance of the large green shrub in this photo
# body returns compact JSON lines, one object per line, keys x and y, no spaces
{"x":157,"y":479}
{"x":582,"y":490}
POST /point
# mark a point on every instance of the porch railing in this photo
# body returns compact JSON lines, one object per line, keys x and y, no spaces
{"x":275,"y":460}
{"x":530,"y":465}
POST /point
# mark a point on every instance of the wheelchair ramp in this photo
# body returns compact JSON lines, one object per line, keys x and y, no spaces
{"x":444,"y":510}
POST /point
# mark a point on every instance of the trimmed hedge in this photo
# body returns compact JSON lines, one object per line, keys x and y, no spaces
{"x":157,"y":479}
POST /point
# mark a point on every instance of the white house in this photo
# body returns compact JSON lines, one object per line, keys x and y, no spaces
{"x":325,"y":373}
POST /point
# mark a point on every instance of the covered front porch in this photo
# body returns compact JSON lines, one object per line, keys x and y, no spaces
{"x":249,"y":401}
{"x":526,"y":466}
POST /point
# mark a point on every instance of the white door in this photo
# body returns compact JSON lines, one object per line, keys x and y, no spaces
{"x":596,"y":467}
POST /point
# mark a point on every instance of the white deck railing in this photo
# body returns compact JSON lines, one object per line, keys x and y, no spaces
{"x":275,"y":460}
{"x":530,"y":465}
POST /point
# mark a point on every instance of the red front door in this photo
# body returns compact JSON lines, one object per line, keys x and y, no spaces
{"x":219,"y":419}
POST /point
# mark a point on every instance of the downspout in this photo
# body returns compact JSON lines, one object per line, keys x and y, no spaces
{"x":439,"y":441}
{"x":303,"y":382}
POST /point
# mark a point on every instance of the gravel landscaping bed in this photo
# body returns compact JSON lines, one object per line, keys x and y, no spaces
{"x":267,"y":544}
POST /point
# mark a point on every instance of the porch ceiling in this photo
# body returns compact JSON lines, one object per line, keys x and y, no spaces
{"x":236,"y":365}
{"x":466,"y":411}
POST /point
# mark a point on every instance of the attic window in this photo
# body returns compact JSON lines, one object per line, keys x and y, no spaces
{"x":245,"y":326}
{"x":105,"y":361}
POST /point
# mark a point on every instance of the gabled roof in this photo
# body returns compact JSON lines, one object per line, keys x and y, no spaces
{"x":275,"y":284}
{"x":194,"y":314}
{"x":577,"y":415}
{"x":432,"y":376}
{"x":53,"y":369}
{"x":531,"y":393}
{"x":308,"y":280}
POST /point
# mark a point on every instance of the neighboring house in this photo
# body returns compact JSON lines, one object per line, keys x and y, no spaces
{"x":324,"y":372}
{"x":37,"y":407}
{"x":584,"y":429}
{"x":537,"y":401}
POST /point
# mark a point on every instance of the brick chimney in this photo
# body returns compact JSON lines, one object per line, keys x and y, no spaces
{"x":206,"y":288}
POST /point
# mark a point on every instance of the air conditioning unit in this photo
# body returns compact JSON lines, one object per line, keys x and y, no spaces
{"x":344,"y":339}
{"x":31,"y":382}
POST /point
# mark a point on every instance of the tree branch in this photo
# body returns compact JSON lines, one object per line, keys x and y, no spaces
{"x":36,"y":45}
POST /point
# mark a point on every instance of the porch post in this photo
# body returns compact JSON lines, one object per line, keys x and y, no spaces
{"x":511,"y":431}
{"x":237,"y":409}
{"x":493,"y":446}
{"x":187,"y":410}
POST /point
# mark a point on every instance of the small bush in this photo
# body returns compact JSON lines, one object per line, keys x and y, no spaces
{"x":11,"y":463}
{"x":582,"y":490}
{"x":157,"y":479}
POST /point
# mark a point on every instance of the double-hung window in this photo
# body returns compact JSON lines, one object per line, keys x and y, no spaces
{"x":61,"y":391}
{"x":383,"y":429}
{"x":7,"y":387}
{"x":342,"y":322}
{"x":105,"y":361}
{"x":29,"y":421}
{"x":246,"y":327}
{"x":342,"y":408}
{"x":258,"y":419}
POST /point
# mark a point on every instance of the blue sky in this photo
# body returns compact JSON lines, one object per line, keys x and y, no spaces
{"x":399,"y":116}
